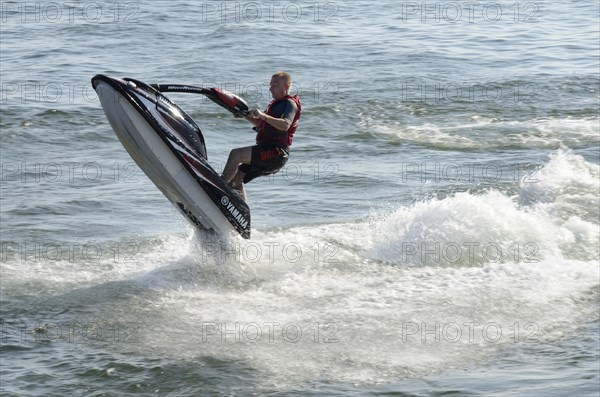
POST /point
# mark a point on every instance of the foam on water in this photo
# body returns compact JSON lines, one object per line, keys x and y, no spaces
{"x":443,"y":283}
{"x":377,"y":299}
{"x":489,"y":133}
{"x":567,"y":180}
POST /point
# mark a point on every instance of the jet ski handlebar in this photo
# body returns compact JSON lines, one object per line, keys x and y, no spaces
{"x":226,"y":99}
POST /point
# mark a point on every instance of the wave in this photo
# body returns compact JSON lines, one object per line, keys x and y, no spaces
{"x":382,"y":300}
{"x":483,"y":133}
{"x":553,"y":214}
{"x":361,"y":302}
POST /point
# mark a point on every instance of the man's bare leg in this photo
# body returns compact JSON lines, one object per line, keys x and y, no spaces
{"x":231,"y":173}
{"x":236,"y":157}
{"x":237,"y":183}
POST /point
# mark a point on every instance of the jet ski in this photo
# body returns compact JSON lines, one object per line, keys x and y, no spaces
{"x":169,"y":147}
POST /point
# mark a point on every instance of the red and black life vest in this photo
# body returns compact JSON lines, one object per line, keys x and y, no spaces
{"x":269,"y":134}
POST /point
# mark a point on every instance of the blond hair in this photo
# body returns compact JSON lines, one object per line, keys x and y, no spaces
{"x":284,"y":75}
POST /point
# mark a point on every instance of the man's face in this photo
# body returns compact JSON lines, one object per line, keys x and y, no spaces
{"x":278,"y":87}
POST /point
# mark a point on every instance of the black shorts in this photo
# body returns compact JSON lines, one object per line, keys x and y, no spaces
{"x":267,"y":159}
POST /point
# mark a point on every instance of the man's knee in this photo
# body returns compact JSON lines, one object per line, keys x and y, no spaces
{"x":238,"y":151}
{"x":240,"y":155}
{"x":233,"y":154}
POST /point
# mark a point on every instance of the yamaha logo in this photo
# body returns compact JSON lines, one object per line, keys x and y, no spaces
{"x":235,"y":213}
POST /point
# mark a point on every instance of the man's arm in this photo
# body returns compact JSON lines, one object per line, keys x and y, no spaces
{"x":280,"y":124}
{"x":255,"y":121}
{"x":284,"y":122}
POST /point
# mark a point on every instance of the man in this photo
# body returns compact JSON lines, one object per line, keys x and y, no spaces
{"x":275,"y":130}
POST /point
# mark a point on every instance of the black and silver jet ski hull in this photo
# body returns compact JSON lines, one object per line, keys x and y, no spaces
{"x":169,"y":147}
